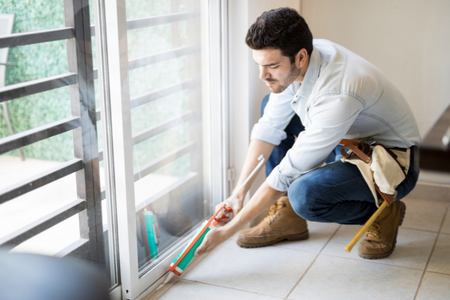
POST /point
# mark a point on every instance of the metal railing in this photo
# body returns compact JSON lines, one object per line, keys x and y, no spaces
{"x":40,"y":180}
{"x":80,"y":79}
{"x":88,"y":201}
{"x":29,"y":38}
{"x":32,"y":87}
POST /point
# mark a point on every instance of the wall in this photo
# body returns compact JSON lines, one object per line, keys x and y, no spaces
{"x":408,"y":40}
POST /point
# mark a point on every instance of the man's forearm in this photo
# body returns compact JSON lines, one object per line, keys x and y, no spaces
{"x":264,"y":197}
{"x":255,"y":149}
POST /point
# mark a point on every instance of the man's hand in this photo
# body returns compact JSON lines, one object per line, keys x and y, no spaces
{"x":264,"y":197}
{"x":214,"y":237}
{"x":236,"y":206}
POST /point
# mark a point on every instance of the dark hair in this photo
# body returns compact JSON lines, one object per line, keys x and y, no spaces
{"x":282,"y":28}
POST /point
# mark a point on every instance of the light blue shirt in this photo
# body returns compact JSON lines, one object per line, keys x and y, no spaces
{"x":342,"y":96}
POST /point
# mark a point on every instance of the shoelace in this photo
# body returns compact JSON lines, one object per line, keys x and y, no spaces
{"x":273,"y":212}
{"x":374,"y":230}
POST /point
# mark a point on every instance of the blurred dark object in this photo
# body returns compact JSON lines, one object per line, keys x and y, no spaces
{"x":176,"y":221}
{"x":37,"y":277}
{"x":435,"y":148}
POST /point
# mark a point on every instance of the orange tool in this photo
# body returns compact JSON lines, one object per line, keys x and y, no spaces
{"x":185,"y":256}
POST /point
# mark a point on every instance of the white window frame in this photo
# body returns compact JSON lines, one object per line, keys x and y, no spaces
{"x":215,"y":115}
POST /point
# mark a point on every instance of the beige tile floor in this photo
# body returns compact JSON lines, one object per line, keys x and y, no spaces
{"x":319,"y":268}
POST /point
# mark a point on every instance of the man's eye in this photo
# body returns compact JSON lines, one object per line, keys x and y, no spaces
{"x":274,"y":67}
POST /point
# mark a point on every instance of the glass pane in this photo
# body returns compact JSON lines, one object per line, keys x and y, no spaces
{"x":26,"y":162}
{"x":23,"y":211}
{"x":137,"y":9}
{"x":19,"y":215}
{"x":34,"y":15}
{"x":158,"y":75}
{"x":36,"y":61}
{"x":35,"y":110}
{"x":159,"y":42}
{"x":167,"y":131}
{"x":55,"y":241}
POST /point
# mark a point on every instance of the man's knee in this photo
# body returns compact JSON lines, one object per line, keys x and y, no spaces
{"x":301,"y":194}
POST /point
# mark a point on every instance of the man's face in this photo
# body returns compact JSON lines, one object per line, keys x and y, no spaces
{"x":275,"y":69}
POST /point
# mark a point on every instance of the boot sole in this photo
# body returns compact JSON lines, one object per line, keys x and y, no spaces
{"x":295,"y":237}
{"x":384,"y":255}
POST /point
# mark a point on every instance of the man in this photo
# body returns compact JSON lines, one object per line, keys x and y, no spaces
{"x":337,"y":95}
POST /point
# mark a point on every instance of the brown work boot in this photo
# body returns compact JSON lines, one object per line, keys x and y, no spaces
{"x":382,"y":235}
{"x":281,"y":224}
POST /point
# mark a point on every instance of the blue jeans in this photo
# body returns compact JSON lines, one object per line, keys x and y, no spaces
{"x":337,"y":192}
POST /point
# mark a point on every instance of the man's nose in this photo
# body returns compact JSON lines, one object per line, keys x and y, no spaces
{"x":263,"y":74}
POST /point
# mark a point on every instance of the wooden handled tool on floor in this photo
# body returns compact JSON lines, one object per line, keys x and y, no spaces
{"x":366,"y":226}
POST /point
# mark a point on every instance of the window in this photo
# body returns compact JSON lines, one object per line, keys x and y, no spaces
{"x":50,"y":195}
{"x":111,"y":128}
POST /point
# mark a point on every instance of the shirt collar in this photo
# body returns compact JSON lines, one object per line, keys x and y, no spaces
{"x":312,"y":73}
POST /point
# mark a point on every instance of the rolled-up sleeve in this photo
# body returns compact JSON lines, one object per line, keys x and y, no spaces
{"x":329,"y":119}
{"x":277,"y":115}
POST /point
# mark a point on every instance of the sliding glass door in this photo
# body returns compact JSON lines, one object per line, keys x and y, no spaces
{"x":167,"y":145}
{"x":112,"y":130}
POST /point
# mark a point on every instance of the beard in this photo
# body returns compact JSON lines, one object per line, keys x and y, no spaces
{"x":280,"y":86}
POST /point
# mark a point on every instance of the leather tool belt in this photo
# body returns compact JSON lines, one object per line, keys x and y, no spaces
{"x":383,"y":169}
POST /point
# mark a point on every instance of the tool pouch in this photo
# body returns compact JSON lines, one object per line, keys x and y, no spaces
{"x":383,"y":169}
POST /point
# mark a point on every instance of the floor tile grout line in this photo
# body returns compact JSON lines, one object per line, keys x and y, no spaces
{"x":423,"y":230}
{"x":372,"y":261}
{"x":431,"y":254}
{"x":443,"y":220}
{"x":230,"y":288}
{"x":424,"y":271}
{"x":426,"y":201}
{"x":315,"y":258}
{"x":420,"y":284}
{"x":440,"y":273}
{"x":192,"y":266}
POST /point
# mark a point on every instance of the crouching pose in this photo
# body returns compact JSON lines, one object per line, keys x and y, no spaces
{"x":321,"y":93}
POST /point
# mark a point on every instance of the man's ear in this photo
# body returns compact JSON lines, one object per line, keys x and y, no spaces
{"x":301,"y":57}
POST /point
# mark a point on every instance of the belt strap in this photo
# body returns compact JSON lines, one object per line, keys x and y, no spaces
{"x":359,"y":152}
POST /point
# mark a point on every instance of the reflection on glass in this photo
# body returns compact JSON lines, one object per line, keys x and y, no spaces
{"x":166,"y":126}
{"x":159,"y":42}
{"x":157,"y":75}
{"x":137,"y":9}
{"x":160,"y":110}
{"x":176,"y":205}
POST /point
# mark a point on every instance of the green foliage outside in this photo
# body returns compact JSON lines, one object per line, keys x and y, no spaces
{"x":34,"y":62}
{"x":50,"y":59}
